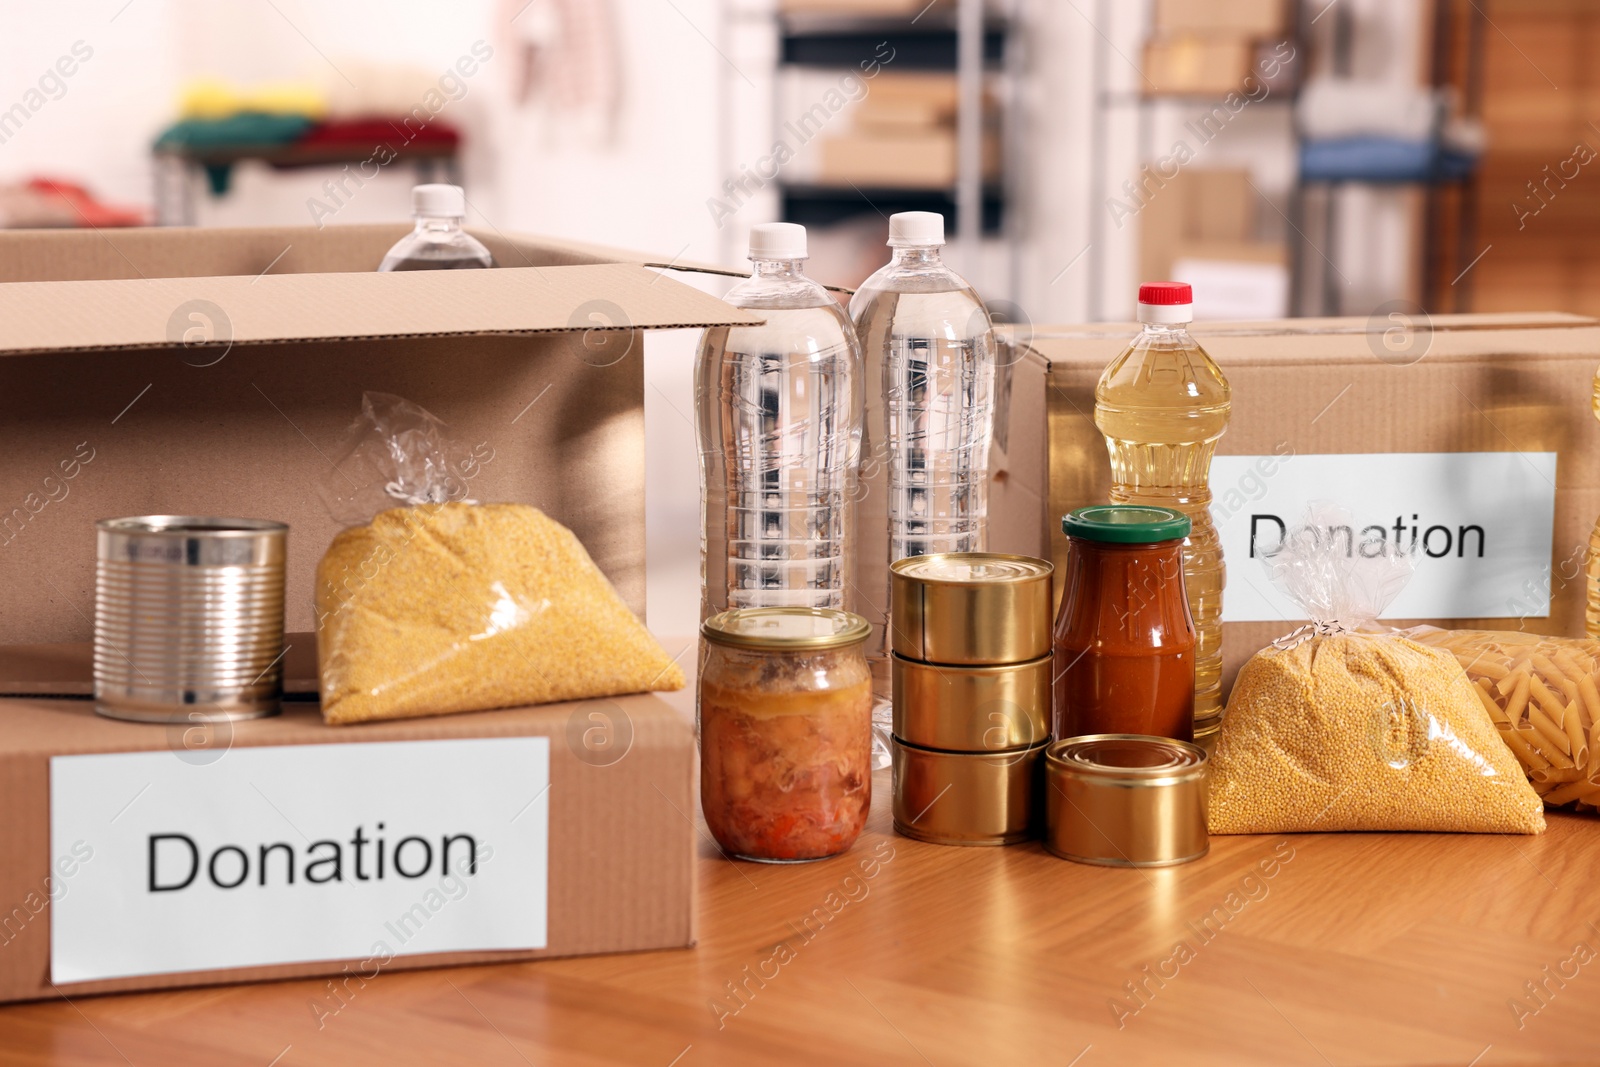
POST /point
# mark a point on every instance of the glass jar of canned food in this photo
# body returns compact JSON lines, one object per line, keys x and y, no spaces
{"x":785,"y":710}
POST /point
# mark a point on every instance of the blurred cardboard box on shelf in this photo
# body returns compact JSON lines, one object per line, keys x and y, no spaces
{"x":1235,"y":281}
{"x":1245,"y":18}
{"x":1220,"y":204}
{"x":1203,"y":65}
{"x":878,"y":113}
{"x":901,"y":99}
{"x":935,"y":89}
{"x":907,"y":160}
{"x":1195,"y":208}
{"x":857,"y":8}
{"x":903,"y":135}
{"x":214,"y":372}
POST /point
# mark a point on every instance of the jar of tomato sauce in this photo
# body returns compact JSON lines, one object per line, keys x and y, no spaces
{"x":785,"y":707}
{"x":1124,"y":640}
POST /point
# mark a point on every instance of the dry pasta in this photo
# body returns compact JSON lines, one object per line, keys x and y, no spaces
{"x":1542,"y":695}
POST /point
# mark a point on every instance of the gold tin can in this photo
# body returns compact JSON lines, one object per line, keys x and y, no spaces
{"x":964,"y":608}
{"x":966,"y":798}
{"x":1126,"y":800}
{"x":972,"y":709}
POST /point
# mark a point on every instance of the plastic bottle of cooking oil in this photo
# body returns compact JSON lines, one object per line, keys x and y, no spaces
{"x":1592,"y":620}
{"x":1162,"y":406}
{"x":778,"y":414}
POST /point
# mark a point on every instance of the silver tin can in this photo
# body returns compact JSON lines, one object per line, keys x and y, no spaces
{"x":188,"y":622}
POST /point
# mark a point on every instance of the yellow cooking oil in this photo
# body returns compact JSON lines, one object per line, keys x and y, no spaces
{"x":1162,"y":406}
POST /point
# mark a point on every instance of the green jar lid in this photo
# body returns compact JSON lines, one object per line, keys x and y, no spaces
{"x":1125,"y":524}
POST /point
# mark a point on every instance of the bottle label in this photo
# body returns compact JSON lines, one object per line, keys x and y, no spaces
{"x":1479,"y":527}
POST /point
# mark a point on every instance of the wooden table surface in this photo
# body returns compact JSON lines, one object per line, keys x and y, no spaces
{"x":1307,"y":949}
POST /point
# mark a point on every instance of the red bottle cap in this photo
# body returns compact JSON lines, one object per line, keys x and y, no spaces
{"x":1166,"y":293}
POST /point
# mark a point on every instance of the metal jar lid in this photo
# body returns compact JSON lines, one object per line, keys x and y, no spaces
{"x":1126,"y":800}
{"x":966,"y":798}
{"x":786,"y":629}
{"x":970,"y":608}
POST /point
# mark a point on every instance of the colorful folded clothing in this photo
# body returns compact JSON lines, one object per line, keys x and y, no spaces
{"x":213,"y":99}
{"x":367,"y":132}
{"x":236,"y":133}
{"x":53,"y":203}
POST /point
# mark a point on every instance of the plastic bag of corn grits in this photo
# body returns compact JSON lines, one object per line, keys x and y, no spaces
{"x":1339,"y":726}
{"x":446,"y":605}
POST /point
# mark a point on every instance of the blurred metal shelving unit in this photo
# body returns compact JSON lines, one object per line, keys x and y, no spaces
{"x":981,"y":44}
{"x":1312,"y":286}
{"x":1144,"y":103}
{"x":1434,"y":287}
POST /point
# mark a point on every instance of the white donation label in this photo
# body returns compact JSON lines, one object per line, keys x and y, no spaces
{"x":1478,"y":525}
{"x":362,"y":851}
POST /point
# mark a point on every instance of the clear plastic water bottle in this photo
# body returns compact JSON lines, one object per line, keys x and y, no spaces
{"x":778,"y":411}
{"x":926,"y":336}
{"x":438,"y":242}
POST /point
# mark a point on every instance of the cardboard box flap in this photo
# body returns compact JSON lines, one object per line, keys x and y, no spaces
{"x":159,"y":312}
{"x":192,"y":252}
{"x":1439,"y":337}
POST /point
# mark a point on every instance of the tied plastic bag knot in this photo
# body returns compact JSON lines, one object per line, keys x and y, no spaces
{"x":1305,"y":633}
{"x":1341,"y":582}
{"x":396,"y":453}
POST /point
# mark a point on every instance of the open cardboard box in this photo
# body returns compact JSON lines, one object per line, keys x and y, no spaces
{"x":215,"y":372}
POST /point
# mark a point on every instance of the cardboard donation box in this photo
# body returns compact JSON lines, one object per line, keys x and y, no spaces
{"x":217,"y":373}
{"x":1467,"y":442}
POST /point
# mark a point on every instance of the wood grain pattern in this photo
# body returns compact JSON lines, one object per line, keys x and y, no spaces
{"x":1358,"y":949}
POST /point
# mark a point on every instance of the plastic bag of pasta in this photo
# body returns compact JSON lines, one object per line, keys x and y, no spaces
{"x":1343,"y":726}
{"x":1543,"y":695}
{"x":441,"y":604}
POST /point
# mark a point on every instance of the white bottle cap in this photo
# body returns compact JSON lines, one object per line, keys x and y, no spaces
{"x":916,"y":228}
{"x":778,"y":240}
{"x":439,"y":201}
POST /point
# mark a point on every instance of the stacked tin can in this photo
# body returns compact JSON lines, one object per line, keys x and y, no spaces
{"x":971,"y":667}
